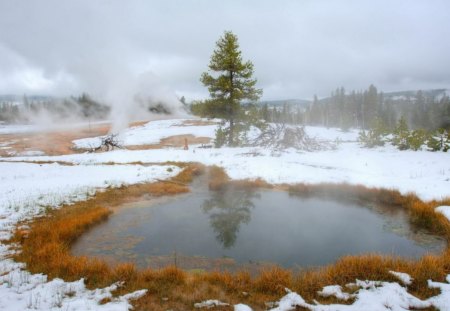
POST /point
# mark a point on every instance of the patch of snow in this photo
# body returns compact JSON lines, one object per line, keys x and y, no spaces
{"x":372,"y":295}
{"x":210,"y":304}
{"x":441,"y":301}
{"x":405,"y":278}
{"x":31,"y":153}
{"x":151,"y":133}
{"x":289,"y":302}
{"x":242,"y":307}
{"x":20,"y":290}
{"x":444,"y":210}
{"x":336,"y":291}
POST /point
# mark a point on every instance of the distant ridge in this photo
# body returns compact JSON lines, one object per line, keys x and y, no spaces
{"x":396,"y":95}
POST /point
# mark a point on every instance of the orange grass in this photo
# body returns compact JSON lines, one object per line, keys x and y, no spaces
{"x":218,"y":179}
{"x":45,"y":248}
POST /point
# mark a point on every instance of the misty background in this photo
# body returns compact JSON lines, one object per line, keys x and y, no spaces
{"x":125,"y":53}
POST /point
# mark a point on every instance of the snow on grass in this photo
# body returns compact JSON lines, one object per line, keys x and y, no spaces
{"x":242,"y":307}
{"x":370,"y":295}
{"x":151,"y":133}
{"x":335,"y":291}
{"x":25,"y":191}
{"x":444,"y":210}
{"x":211,"y":303}
{"x":20,"y":290}
{"x":441,"y":301}
{"x":403,"y":277}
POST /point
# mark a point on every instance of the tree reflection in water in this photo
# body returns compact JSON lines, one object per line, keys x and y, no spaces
{"x":227,"y":210}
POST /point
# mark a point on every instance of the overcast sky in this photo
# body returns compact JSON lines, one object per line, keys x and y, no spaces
{"x":299,"y":47}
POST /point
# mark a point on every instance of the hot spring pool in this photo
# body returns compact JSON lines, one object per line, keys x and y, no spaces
{"x":234,"y":229}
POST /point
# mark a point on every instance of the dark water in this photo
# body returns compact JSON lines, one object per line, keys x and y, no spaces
{"x":228,"y":230}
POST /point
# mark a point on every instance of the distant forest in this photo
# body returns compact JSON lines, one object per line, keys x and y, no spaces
{"x":429,"y":110}
{"x":29,"y":108}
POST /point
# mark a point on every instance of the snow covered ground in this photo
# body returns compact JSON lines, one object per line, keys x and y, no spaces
{"x":151,"y":133}
{"x":423,"y":172}
{"x":27,"y":188}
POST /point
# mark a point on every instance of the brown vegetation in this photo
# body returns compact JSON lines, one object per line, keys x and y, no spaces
{"x":176,"y":141}
{"x":46,"y":248}
{"x":59,"y":141}
{"x":54,"y":142}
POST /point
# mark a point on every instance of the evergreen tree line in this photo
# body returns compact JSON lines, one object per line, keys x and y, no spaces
{"x":404,"y":138}
{"x":414,"y":121}
{"x":360,"y":109}
{"x":80,"y":107}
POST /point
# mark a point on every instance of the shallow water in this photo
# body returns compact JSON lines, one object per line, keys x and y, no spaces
{"x":235,"y":229}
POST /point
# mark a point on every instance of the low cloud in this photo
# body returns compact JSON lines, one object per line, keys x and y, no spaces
{"x":115,"y":50}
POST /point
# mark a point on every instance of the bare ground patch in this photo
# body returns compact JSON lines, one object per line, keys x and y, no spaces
{"x":51,"y":143}
{"x":176,"y":141}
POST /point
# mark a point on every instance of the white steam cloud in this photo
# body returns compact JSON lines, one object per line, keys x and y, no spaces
{"x":130,"y":97}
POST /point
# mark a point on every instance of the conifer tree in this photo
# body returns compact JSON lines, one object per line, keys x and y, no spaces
{"x":229,"y":81}
{"x":401,"y":134}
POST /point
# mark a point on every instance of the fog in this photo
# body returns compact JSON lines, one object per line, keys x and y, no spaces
{"x":118,"y":51}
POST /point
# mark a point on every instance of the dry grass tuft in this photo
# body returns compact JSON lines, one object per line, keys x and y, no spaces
{"x":187,"y":175}
{"x":125,"y":272}
{"x":274,"y":280}
{"x":218,"y":179}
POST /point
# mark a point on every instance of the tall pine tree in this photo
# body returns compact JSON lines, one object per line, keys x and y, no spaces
{"x":229,"y":81}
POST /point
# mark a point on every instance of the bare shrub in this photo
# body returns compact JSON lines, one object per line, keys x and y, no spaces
{"x":108,"y":142}
{"x":280,"y":137}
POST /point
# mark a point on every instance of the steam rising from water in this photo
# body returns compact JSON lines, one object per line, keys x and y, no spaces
{"x":131,"y":98}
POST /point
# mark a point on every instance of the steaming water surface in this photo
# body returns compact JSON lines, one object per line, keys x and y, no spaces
{"x":231,"y":229}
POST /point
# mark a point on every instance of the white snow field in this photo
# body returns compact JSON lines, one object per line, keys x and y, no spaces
{"x":423,"y":172}
{"x":26,"y":189}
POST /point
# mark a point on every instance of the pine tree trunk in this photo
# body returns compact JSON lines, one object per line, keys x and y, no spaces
{"x":231,"y":134}
{"x":231,"y":116}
